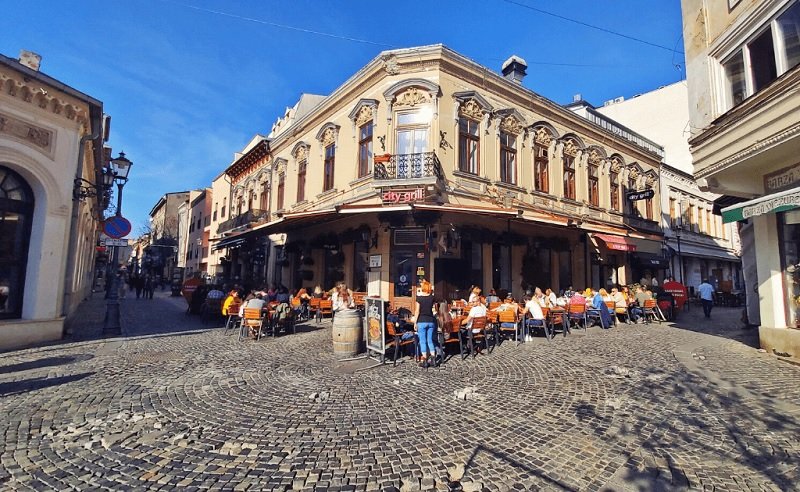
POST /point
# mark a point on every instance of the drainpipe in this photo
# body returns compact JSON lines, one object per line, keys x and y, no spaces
{"x":72,"y":249}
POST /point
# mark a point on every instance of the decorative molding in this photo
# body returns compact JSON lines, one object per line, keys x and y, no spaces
{"x":39,"y":95}
{"x":300,"y":151}
{"x":327,"y":134}
{"x":412,"y":97}
{"x":412,"y":92}
{"x":542,"y":135}
{"x":27,"y":132}
{"x":390,"y":65}
{"x":595,"y":156}
{"x":756,"y":148}
{"x":570,"y":148}
{"x":471,"y":109}
{"x":280,"y":165}
{"x":365,"y":114}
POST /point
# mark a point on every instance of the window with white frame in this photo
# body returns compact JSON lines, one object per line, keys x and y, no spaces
{"x":766,"y":55}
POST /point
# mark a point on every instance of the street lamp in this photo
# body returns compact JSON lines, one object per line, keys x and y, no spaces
{"x":119,"y":168}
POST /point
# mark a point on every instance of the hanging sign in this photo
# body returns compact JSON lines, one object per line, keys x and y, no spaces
{"x":640,"y":195}
{"x":376,"y":323}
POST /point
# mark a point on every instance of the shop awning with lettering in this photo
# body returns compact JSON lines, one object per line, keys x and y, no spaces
{"x":776,"y":202}
{"x":616,"y":243}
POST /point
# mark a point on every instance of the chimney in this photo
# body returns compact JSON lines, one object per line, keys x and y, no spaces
{"x":514,"y":69}
{"x":577,"y":98}
{"x":30,"y":59}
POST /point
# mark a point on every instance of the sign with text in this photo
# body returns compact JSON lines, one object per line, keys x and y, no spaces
{"x":410,"y":195}
{"x":640,"y":195}
{"x":782,"y":179}
{"x":116,"y":242}
{"x":376,"y":322}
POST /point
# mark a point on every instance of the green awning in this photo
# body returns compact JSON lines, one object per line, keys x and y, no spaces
{"x":777,"y":202}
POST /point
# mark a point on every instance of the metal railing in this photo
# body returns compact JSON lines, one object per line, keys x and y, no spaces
{"x":409,"y":166}
{"x":253,"y":215}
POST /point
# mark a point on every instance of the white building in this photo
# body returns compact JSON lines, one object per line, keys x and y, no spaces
{"x":708,"y":248}
{"x":51,"y":157}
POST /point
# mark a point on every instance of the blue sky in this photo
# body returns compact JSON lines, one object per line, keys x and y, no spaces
{"x":186,"y":88}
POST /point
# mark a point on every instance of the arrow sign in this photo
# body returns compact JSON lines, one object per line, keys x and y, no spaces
{"x":116,"y":227}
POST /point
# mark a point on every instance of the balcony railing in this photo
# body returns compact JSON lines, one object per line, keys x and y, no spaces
{"x":409,"y":166}
{"x":253,"y":215}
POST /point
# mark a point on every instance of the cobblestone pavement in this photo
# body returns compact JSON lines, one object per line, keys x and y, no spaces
{"x":178,"y":404}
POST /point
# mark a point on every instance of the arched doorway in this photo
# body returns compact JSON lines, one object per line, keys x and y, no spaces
{"x":16,"y":214}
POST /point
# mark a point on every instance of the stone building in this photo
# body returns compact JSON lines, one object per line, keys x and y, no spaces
{"x":51,"y":158}
{"x":695,"y":236}
{"x":426,"y":164}
{"x":196,"y":250}
{"x":742,"y":60}
{"x":160,"y":255}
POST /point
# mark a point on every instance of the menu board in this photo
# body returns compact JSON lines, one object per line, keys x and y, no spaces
{"x":376,"y":323}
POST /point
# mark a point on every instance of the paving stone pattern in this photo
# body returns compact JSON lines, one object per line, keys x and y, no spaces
{"x":179,"y":405}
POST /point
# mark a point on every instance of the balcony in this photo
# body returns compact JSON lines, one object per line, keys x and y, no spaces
{"x":247,"y":218}
{"x":420,"y":168}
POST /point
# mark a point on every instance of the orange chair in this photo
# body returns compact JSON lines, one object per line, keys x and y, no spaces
{"x":313,"y":306}
{"x":494,"y":305}
{"x":576,"y":314}
{"x":233,"y":316}
{"x":251,"y":324}
{"x":325,"y":309}
{"x":649,"y":311}
{"x":451,"y":332}
{"x":475,"y":333}
{"x":506,"y":318}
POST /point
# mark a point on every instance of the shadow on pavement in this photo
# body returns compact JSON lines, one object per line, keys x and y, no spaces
{"x":33,"y":384}
{"x":44,"y":362}
{"x":725,"y":322}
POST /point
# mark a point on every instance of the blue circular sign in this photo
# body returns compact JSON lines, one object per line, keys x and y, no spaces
{"x":116,"y":227}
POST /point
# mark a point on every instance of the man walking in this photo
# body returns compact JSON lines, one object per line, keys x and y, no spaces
{"x":706,"y":297}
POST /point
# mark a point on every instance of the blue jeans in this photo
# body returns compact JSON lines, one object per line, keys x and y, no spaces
{"x":425,"y":331}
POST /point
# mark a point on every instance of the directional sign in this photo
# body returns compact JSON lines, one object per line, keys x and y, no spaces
{"x":640,"y":195}
{"x":116,"y":227}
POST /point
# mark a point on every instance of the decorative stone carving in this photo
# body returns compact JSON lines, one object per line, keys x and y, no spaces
{"x":412,"y":97}
{"x":31,"y":93}
{"x":633,"y":173}
{"x":510,"y":124}
{"x":391,"y":66}
{"x":364,"y":115}
{"x":471,"y":109}
{"x":27,"y":132}
{"x":301,"y":153}
{"x":280,"y":166}
{"x":650,"y":180}
{"x":615,"y":165}
{"x":595,"y":157}
{"x":570,"y":148}
{"x":542,"y":136}
{"x":328,"y":137}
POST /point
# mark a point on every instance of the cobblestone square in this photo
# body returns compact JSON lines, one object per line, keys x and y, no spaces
{"x":176,"y":404}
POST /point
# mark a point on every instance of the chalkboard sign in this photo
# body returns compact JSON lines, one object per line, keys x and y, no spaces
{"x":376,"y":324}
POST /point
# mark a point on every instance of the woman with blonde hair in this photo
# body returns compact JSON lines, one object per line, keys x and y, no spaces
{"x":425,"y":321}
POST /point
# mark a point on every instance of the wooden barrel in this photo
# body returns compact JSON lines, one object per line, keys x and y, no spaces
{"x":347,"y":333}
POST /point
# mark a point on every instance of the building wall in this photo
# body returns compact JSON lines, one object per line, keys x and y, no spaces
{"x":40,"y":131}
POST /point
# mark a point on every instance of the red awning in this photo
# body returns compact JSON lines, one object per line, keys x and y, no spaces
{"x":617,"y":243}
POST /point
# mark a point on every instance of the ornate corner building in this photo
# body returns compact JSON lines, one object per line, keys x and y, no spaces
{"x":426,"y":164}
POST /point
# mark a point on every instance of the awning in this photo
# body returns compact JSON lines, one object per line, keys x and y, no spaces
{"x":617,"y":243}
{"x":776,"y":202}
{"x":229,"y":242}
{"x":701,"y":252}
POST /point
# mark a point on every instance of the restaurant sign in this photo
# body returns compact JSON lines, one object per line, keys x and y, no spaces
{"x":779,"y":202}
{"x":640,"y":195}
{"x":376,"y":322}
{"x":405,"y":195}
{"x":782,"y":179}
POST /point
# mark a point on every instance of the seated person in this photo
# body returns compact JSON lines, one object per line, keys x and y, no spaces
{"x":641,"y":295}
{"x":477,"y":310}
{"x":492,"y":297}
{"x":535,"y":316}
{"x":599,"y":307}
{"x":550,"y":298}
{"x":233,"y":298}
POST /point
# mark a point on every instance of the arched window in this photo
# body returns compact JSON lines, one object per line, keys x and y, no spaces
{"x":16,"y":212}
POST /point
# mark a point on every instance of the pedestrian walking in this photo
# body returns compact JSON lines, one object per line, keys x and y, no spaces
{"x":425,"y":320}
{"x":148,"y":287}
{"x":706,"y":297}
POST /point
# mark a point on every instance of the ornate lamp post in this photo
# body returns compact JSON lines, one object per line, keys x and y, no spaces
{"x":117,"y":172}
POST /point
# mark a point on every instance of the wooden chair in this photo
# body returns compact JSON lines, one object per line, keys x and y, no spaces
{"x":251,"y":324}
{"x":623,"y":313}
{"x":576,"y":314}
{"x":506,"y":318}
{"x":233,"y":317}
{"x":494,"y":305}
{"x":396,"y":341}
{"x":455,"y":331}
{"x":313,"y":307}
{"x":476,"y":332}
{"x":529,"y":324}
{"x":359,"y":299}
{"x":649,"y":311}
{"x":325,"y":309}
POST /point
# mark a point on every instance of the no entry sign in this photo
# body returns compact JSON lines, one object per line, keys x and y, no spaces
{"x":117,"y":227}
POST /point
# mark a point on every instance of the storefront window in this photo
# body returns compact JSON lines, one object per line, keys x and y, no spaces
{"x":790,"y":254}
{"x":16,"y":211}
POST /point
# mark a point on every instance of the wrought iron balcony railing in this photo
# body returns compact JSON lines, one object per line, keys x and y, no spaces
{"x":253,"y":215}
{"x":408,"y":166}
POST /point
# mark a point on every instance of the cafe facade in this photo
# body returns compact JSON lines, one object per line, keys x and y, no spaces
{"x":425,"y":164}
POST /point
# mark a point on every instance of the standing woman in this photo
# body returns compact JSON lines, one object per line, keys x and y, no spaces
{"x":426,"y":323}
